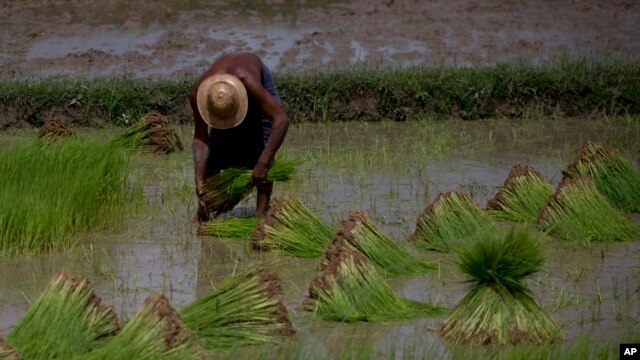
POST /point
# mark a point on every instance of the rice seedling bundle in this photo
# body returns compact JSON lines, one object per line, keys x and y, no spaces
{"x":223,"y":191}
{"x":522,"y":195}
{"x":451,"y":221}
{"x":155,"y":332}
{"x":8,"y":352}
{"x":359,"y":233}
{"x":348,"y":288}
{"x":291,"y":229}
{"x":499,"y":308}
{"x":579,"y":212}
{"x":50,"y":191}
{"x":232,"y":228}
{"x":612,"y":174}
{"x":54,"y":128}
{"x":67,"y":319}
{"x":155,"y":133}
{"x":247,"y":308}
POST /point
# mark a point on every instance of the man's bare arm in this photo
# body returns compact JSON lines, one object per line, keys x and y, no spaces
{"x":200,"y":147}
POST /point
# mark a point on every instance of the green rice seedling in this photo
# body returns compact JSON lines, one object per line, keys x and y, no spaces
{"x":348,"y":288}
{"x":522,"y":195}
{"x":223,"y":191}
{"x":291,"y":229}
{"x":67,"y":319}
{"x":499,"y":308}
{"x":612,"y":174}
{"x":8,"y":352}
{"x":579,"y":212}
{"x":362,"y":235}
{"x":247,"y":308}
{"x":232,"y":228}
{"x":153,"y":132}
{"x":451,"y":221}
{"x":155,"y":332}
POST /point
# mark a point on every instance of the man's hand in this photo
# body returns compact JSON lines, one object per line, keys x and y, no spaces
{"x":259,"y":174}
{"x":203,"y":213}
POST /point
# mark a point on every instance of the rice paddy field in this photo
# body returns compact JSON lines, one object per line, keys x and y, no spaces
{"x":388,"y":170}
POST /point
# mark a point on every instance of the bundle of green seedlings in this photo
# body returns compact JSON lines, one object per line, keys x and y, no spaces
{"x":499,"y":308}
{"x":67,"y":319}
{"x":611,"y":172}
{"x":8,"y":352}
{"x":54,"y":128}
{"x":291,"y":229}
{"x":522,"y":195}
{"x":578,"y":212}
{"x":451,"y":221}
{"x":246,"y":308}
{"x":153,"y":132}
{"x":223,"y":191}
{"x":155,"y":332}
{"x":50,"y":191}
{"x":348,"y":288}
{"x":231,"y":228}
{"x":359,"y":233}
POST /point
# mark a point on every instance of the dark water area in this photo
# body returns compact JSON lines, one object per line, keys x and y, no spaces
{"x":389,"y":170}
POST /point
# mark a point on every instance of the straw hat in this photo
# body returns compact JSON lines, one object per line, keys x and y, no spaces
{"x":222,"y":101}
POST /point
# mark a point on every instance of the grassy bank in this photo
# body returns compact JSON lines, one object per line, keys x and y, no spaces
{"x":568,"y":86}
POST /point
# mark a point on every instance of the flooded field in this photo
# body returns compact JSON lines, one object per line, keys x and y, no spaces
{"x":390,"y":170}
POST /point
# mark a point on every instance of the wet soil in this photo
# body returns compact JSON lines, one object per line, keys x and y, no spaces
{"x":163,"y":39}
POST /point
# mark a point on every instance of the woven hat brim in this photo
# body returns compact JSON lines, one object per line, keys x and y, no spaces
{"x":210,"y":118}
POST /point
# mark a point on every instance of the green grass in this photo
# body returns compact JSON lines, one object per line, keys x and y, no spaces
{"x":522,"y":195}
{"x":350,"y":289}
{"x":451,"y":221}
{"x":499,"y":308}
{"x":245,"y":309}
{"x":612,"y":174}
{"x":51,"y":191}
{"x":578,"y":86}
{"x":232,"y":228}
{"x":578,"y":212}
{"x":223,"y":191}
{"x":66,"y":319}
{"x":291,"y":229}
{"x":153,"y":333}
{"x":362,"y":235}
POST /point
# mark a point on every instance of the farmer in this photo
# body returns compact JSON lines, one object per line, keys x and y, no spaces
{"x":238,"y":123}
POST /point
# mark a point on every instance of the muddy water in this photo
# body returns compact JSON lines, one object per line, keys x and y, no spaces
{"x":389,"y":170}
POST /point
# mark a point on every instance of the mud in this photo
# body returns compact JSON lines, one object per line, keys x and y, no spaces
{"x":156,"y":39}
{"x":174,"y":332}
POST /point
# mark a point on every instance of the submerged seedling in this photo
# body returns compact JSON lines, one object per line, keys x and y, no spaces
{"x":522,"y":195}
{"x":579,"y":212}
{"x":499,"y":308}
{"x":611,"y":173}
{"x":291,"y":229}
{"x":451,"y":221}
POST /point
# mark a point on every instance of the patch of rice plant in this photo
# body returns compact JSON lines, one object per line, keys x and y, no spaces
{"x":246,"y":308}
{"x":232,"y":228}
{"x":499,"y":308}
{"x":51,"y":191}
{"x":67,"y":319}
{"x":153,"y":132}
{"x":579,"y":212}
{"x":54,"y":128}
{"x":348,"y":288}
{"x":451,"y":221}
{"x":223,"y":191}
{"x":291,"y":229}
{"x":8,"y":352}
{"x":155,"y":332}
{"x":611,"y":172}
{"x":522,"y":195}
{"x":358,"y":232}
